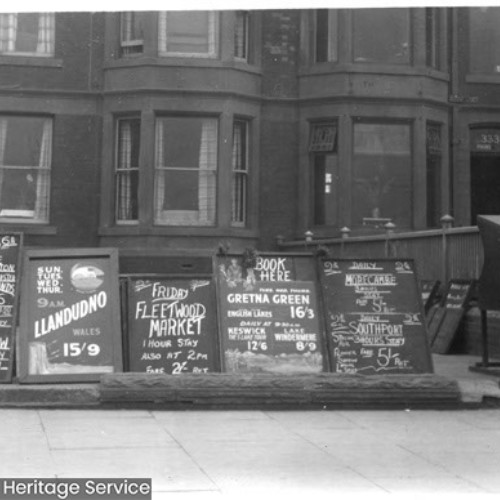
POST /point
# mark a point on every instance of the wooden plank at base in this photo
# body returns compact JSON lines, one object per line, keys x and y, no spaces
{"x":219,"y":389}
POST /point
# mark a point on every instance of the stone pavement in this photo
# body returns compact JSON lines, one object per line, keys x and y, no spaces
{"x":235,"y":454}
{"x":474,"y":387}
{"x":287,"y":454}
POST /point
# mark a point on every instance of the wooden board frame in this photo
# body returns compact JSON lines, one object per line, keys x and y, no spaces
{"x":114,"y":335}
{"x":10,"y":334}
{"x":127,"y":283}
{"x":321,"y":340}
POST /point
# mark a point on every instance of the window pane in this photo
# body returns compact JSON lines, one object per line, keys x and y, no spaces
{"x":381,"y":35}
{"x":181,"y":190}
{"x":434,"y":166}
{"x":188,"y":32}
{"x":127,"y":170}
{"x":23,"y":141}
{"x":382,"y":174}
{"x":433,"y":38}
{"x":484,"y":54}
{"x":18,"y":192}
{"x":181,"y":147}
{"x":27,"y":32}
{"x":326,"y":35}
{"x":186,"y":162}
{"x":132,"y":32}
{"x":25,"y":160}
{"x":241,"y":35}
{"x":240,"y":173}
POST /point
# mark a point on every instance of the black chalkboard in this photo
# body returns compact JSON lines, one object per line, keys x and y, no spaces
{"x":70,"y":328}
{"x":172,"y":325}
{"x":10,"y":256}
{"x":429,"y":290}
{"x":374,"y":315}
{"x":452,"y":311}
{"x":269,"y":314}
{"x":458,"y":294}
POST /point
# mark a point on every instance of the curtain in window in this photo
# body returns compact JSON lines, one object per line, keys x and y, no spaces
{"x":162,"y":32}
{"x":211,"y":33}
{"x":240,"y":35}
{"x":43,"y":182}
{"x":126,"y":21}
{"x":8,"y":27}
{"x":239,"y":175}
{"x":124,"y":187}
{"x":208,"y":160}
{"x":160,"y":174}
{"x":27,"y":183}
{"x":172,"y":179}
{"x":46,"y":31}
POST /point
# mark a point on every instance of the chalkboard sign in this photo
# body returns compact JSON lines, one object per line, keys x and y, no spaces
{"x":457,"y":294}
{"x":452,"y":311}
{"x":374,"y":314}
{"x":70,"y":315}
{"x":172,"y":325}
{"x":10,"y":254}
{"x":268,"y":314}
{"x":429,"y":290}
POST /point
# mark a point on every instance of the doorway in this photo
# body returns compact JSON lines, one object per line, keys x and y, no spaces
{"x":485,"y":185}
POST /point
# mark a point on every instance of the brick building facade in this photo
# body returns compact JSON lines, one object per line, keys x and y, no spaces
{"x":169,"y":132}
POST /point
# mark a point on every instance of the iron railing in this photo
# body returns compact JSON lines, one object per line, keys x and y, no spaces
{"x":439,"y":254}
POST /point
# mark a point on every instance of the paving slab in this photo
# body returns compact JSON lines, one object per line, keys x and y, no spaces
{"x":263,"y":454}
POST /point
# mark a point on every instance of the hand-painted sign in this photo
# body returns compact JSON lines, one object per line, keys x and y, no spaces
{"x":375,"y":319}
{"x":70,"y":323}
{"x":172,"y":325}
{"x":268,"y":314}
{"x":10,"y":253}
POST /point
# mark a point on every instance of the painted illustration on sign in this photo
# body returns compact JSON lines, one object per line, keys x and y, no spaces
{"x":172,"y":326}
{"x":269,"y":317}
{"x":70,"y":318}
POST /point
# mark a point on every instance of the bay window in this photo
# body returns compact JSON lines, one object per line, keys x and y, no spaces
{"x":188,"y":34}
{"x":127,"y":170}
{"x":381,"y":190}
{"x":27,"y":34}
{"x":240,"y":173}
{"x":25,"y":163}
{"x":186,"y":171}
